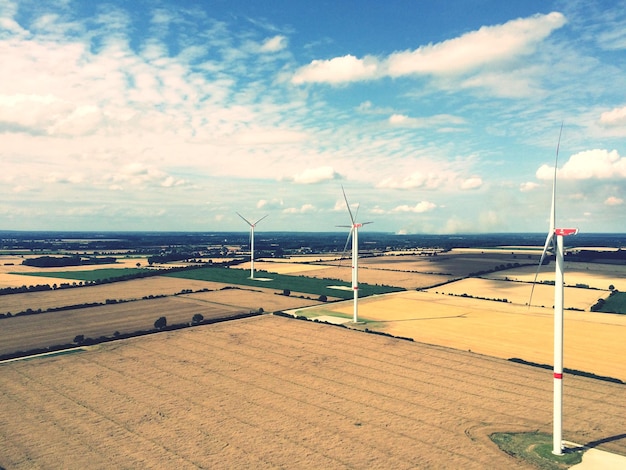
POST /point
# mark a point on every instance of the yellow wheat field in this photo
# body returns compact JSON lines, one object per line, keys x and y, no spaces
{"x":594,"y":342}
{"x":519,"y":292}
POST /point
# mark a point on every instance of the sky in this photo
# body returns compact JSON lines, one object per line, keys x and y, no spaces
{"x":436,"y":117}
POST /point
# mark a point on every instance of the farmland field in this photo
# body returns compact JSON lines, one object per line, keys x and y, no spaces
{"x":14,"y":274}
{"x":269,"y":392}
{"x":404,"y":279}
{"x":594,"y":342}
{"x":124,"y":290}
{"x":595,"y":275}
{"x":307,"y":285}
{"x":23,"y":333}
{"x":519,"y":292}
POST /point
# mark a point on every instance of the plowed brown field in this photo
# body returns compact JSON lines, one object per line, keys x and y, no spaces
{"x":270,"y":392}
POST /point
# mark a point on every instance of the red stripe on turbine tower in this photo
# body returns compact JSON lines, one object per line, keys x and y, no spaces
{"x":558,"y":376}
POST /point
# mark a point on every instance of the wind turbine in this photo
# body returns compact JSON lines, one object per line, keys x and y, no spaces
{"x":354,"y":233}
{"x":252,"y":225}
{"x":554,"y":241}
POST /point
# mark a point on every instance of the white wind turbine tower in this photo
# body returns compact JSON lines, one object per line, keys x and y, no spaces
{"x":252,"y":225}
{"x":554,"y":241}
{"x":354,"y":233}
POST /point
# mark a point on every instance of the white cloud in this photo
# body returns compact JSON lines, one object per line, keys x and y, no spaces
{"x":528,"y":186}
{"x":589,"y":164}
{"x":401,"y":120}
{"x":415,"y":180}
{"x":419,"y":208}
{"x":65,"y":178}
{"x":614,"y":201}
{"x":316,"y":175}
{"x":615,"y":117}
{"x":274,"y":44}
{"x":170,"y":182}
{"x":474,"y":182}
{"x":477,"y":48}
{"x":305,"y":208}
{"x":338,"y":70}
{"x":515,"y":84}
{"x":139,"y":174}
{"x":486,"y":46}
{"x":273,"y":204}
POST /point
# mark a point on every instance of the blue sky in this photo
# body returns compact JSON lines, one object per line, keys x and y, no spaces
{"x":435,"y":116}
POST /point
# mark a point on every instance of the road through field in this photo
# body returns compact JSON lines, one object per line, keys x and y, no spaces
{"x":270,"y":392}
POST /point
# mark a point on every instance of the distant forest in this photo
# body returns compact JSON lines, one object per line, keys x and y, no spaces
{"x":276,"y":243}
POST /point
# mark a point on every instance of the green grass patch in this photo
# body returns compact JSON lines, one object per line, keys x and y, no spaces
{"x":306,"y":285}
{"x":536,"y":448}
{"x":91,"y":275}
{"x":615,"y":303}
{"x":317,"y":312}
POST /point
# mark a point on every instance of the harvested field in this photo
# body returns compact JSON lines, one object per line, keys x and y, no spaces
{"x":595,"y":275}
{"x":454,"y":263}
{"x":14,"y":274}
{"x":594,"y":342}
{"x":123,"y":290}
{"x":519,"y":292}
{"x":269,"y":392}
{"x":27,"y":332}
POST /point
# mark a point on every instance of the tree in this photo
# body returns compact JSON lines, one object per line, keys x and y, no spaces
{"x":160,"y":323}
{"x":611,"y":287}
{"x":322,"y":298}
{"x":79,"y":339}
{"x":197,"y":318}
{"x":286,"y":292}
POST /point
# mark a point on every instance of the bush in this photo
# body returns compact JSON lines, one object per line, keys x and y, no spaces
{"x":79,"y":339}
{"x":160,"y":323}
{"x":197,"y":318}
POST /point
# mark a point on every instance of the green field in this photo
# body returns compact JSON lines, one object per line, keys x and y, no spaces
{"x":90,"y":275}
{"x":615,"y":303}
{"x":306,"y":285}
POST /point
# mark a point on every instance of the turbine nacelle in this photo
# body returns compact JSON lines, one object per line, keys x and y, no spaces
{"x":564,"y":232}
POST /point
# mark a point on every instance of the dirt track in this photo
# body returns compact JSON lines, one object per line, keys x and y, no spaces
{"x":270,"y":392}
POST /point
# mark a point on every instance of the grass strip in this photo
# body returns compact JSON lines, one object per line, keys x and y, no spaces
{"x":536,"y":448}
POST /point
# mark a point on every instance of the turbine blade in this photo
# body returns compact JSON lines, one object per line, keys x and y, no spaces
{"x":347,"y":204}
{"x":550,"y":237}
{"x":356,"y":213}
{"x":556,"y":165}
{"x":261,"y":219}
{"x":245,"y":220}
{"x":345,"y":247}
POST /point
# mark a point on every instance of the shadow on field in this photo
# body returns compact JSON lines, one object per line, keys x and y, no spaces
{"x":463,"y":315}
{"x":593,"y":444}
